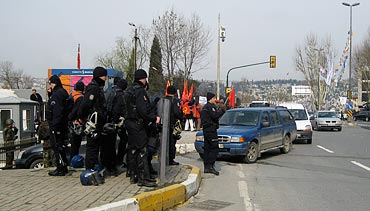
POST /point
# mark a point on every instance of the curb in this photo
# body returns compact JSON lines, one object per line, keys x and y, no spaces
{"x":160,"y":199}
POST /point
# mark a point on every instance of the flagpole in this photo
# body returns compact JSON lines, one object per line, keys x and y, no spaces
{"x":78,"y":57}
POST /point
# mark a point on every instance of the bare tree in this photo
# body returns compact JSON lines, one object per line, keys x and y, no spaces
{"x":361,"y":65}
{"x":310,"y":58}
{"x":12,"y":78}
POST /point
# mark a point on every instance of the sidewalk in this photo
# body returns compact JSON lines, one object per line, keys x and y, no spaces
{"x":27,"y":189}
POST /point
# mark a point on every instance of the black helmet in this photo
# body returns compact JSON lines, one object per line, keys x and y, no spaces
{"x":9,"y":122}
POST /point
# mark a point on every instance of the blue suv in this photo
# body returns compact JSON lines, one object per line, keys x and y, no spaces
{"x":248,"y":132}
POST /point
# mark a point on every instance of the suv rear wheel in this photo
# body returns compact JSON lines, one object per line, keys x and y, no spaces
{"x":287,"y":144}
{"x":252,"y":153}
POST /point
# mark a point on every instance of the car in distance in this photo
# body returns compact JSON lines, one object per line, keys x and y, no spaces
{"x":362,"y":115}
{"x":248,"y":132}
{"x":30,"y":158}
{"x":327,"y":120}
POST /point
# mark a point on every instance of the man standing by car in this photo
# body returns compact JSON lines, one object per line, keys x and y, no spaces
{"x":57,"y":116}
{"x":9,"y":136}
{"x":210,"y":115}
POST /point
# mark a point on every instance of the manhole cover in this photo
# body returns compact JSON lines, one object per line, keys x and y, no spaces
{"x":210,"y":205}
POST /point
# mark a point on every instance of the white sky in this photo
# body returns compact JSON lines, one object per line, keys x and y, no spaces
{"x":41,"y":34}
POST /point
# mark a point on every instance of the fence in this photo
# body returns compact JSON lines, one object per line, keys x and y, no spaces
{"x":16,"y":148}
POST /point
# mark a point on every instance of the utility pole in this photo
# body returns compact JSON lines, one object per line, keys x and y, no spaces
{"x":218,"y":56}
{"x":135,"y":46}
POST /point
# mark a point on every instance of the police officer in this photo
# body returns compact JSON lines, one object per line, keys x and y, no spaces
{"x":9,"y":136}
{"x":138,"y":118}
{"x":94,"y":105}
{"x":209,"y":118}
{"x":58,"y":124}
{"x":76,"y":123}
{"x":175,"y":114}
{"x":119,"y":113}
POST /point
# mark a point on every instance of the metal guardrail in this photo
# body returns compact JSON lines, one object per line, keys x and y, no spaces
{"x":16,"y":148}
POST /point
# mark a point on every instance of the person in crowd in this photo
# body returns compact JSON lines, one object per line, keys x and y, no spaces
{"x":75,"y":122}
{"x":196,"y":115}
{"x":139,"y":115}
{"x":93,"y":109}
{"x":119,"y":113}
{"x":9,"y":136}
{"x":189,"y":123}
{"x":57,"y":116}
{"x":175,"y":115}
{"x":37,"y":98}
{"x":210,"y":115}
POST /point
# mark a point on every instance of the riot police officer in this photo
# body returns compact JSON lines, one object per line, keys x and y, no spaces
{"x":57,"y":116}
{"x":209,"y":119}
{"x":139,"y":115}
{"x":93,"y":109}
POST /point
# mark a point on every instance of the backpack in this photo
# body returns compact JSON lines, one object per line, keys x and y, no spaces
{"x":109,"y":99}
{"x":130,"y":103}
{"x":68,"y":104}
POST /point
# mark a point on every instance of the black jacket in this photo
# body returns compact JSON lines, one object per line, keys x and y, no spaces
{"x":94,"y":100}
{"x":210,"y":115}
{"x":36,"y":97}
{"x":142,"y":103}
{"x":119,"y":106}
{"x":57,"y":114}
{"x":77,"y":100}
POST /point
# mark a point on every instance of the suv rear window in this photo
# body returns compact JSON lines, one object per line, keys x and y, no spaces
{"x":286,"y":116}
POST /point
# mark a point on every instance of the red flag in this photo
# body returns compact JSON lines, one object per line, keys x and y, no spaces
{"x":231,"y":98}
{"x":78,"y":58}
{"x":167,"y":85}
{"x":185,"y":92}
{"x":191,"y":92}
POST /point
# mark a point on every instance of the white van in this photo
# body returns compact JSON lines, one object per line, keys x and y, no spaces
{"x":302,"y":120}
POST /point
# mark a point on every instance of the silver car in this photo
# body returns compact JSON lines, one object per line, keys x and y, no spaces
{"x":327,"y":120}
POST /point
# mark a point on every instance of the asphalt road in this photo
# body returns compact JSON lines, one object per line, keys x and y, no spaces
{"x":331,"y":174}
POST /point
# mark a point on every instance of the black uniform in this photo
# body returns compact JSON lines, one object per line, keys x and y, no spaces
{"x":37,"y":98}
{"x":57,"y":116}
{"x":119,"y":111}
{"x":175,"y":114}
{"x":209,"y":119}
{"x":139,"y":115}
{"x":94,"y":101}
{"x":76,"y":136}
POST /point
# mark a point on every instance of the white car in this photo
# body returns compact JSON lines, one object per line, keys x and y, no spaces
{"x":327,"y":120}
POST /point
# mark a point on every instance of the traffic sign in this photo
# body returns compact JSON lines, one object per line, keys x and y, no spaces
{"x":349,"y":106}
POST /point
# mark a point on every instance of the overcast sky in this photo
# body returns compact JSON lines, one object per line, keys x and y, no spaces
{"x":41,"y":34}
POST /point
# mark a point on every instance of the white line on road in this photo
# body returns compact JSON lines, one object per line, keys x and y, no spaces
{"x":360,"y":165}
{"x":243,"y":191}
{"x":323,"y":148}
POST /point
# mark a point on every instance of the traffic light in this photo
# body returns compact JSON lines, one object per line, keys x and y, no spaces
{"x":272,"y":61}
{"x":349,"y":94}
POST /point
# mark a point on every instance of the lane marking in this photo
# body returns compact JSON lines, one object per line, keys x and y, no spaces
{"x":243,"y":191}
{"x":241,"y":174}
{"x":360,"y":165}
{"x":323,"y":148}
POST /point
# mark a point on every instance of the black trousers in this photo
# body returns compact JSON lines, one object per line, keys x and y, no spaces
{"x":58,"y":145}
{"x":172,"y":147}
{"x":75,"y":144}
{"x":108,"y":151}
{"x":210,"y":148}
{"x":122,"y":145}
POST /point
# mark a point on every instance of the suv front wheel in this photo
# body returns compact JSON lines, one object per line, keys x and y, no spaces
{"x":252,"y":153}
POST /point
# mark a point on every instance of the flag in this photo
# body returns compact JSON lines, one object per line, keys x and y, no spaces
{"x":231,"y":98}
{"x":190,"y":95}
{"x":185,"y":92}
{"x":167,"y":85}
{"x":78,"y":58}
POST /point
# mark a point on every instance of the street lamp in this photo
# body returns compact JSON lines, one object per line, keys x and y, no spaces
{"x":350,"y":44}
{"x":318,"y":76}
{"x":135,"y":46}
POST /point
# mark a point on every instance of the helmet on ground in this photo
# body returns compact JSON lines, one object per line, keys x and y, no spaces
{"x":90,"y":177}
{"x":77,"y":161}
{"x":9,"y":122}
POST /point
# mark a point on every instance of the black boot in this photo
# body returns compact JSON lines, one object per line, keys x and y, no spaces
{"x":59,"y":171}
{"x":133,"y":179}
{"x":211,"y":171}
{"x":146,"y":183}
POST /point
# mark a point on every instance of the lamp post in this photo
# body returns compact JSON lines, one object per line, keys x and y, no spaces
{"x":318,"y":76}
{"x":135,"y":46}
{"x":350,"y":45}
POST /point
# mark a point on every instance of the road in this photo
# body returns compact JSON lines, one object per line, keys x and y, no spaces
{"x":331,"y":174}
